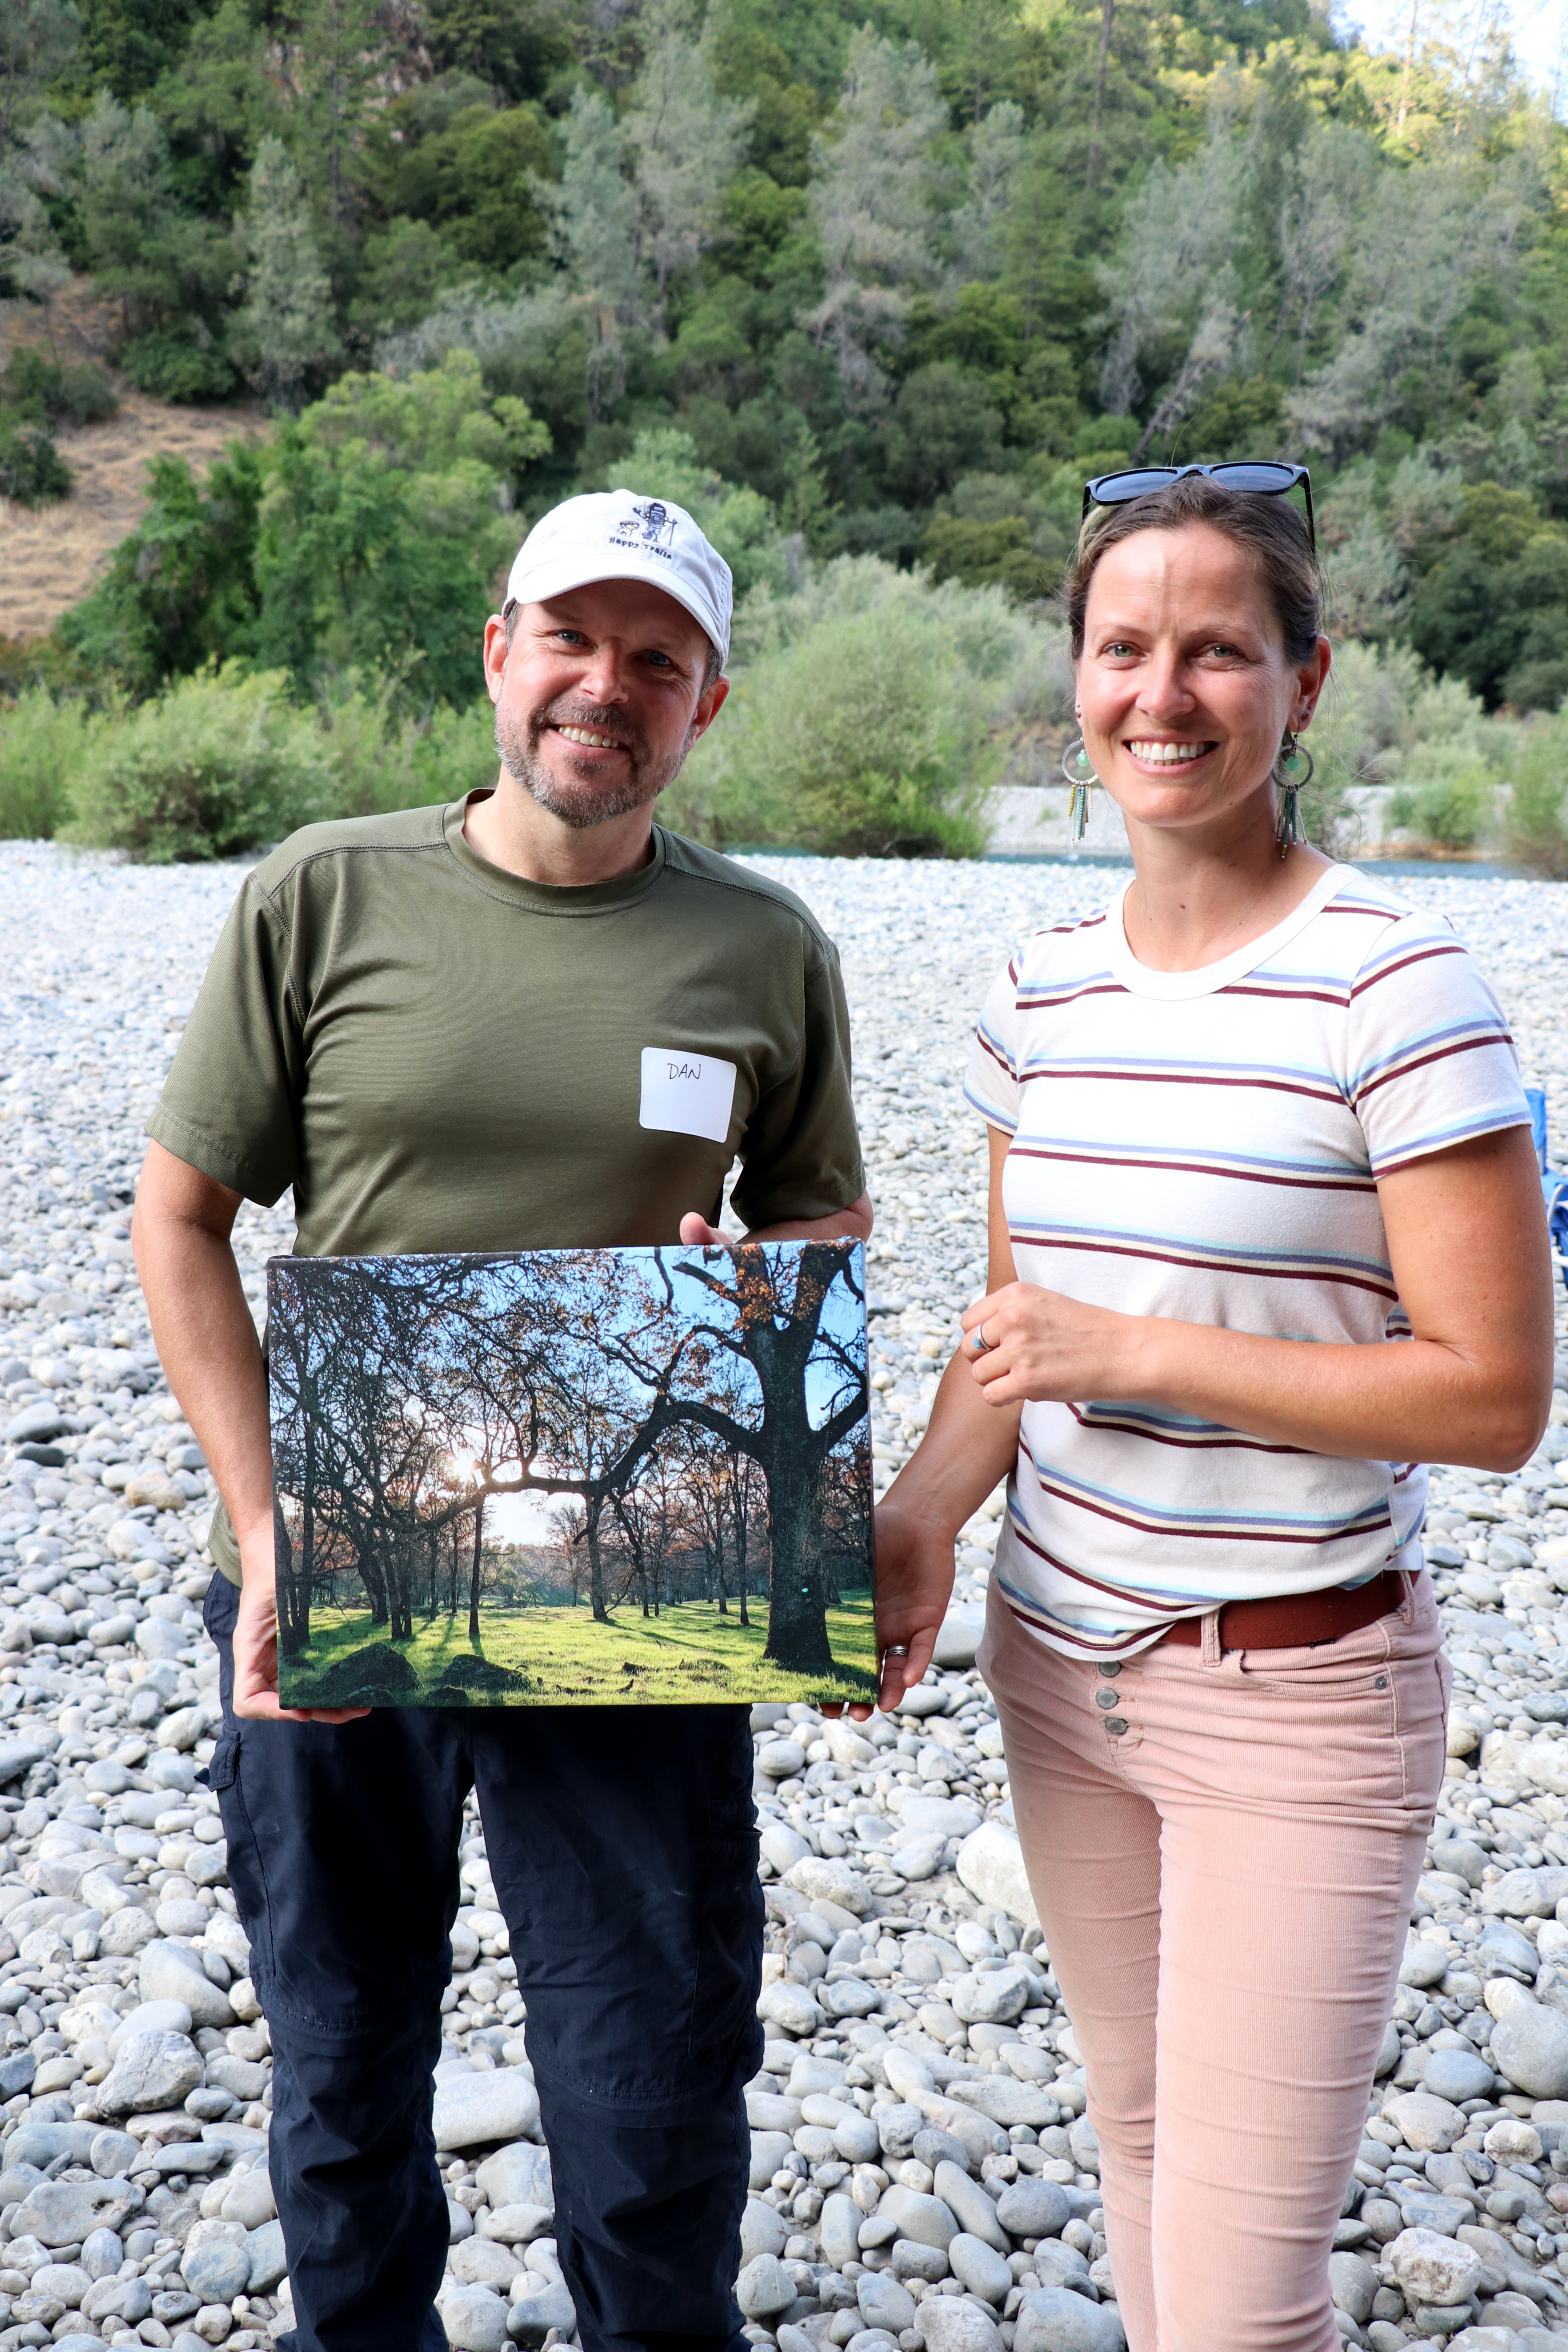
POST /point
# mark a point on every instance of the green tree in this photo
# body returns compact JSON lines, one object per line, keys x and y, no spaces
{"x":286,"y":329}
{"x":686,"y":142}
{"x":380,"y":528}
{"x":872,"y":196}
{"x":594,"y":211}
{"x":180,"y":589}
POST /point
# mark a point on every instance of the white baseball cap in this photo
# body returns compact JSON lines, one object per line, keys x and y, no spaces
{"x":616,"y":535}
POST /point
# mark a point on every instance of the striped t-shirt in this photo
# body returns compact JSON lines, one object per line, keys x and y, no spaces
{"x":1204,"y":1145}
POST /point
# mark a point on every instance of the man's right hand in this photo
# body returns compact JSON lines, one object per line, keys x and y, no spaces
{"x":256,"y":1647}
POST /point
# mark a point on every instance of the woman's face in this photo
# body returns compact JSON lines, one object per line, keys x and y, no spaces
{"x":1183,"y":684}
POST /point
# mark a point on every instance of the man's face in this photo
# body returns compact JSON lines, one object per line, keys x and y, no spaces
{"x":600,"y":697}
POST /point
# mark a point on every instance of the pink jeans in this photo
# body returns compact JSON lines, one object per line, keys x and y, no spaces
{"x":1225,"y":1889}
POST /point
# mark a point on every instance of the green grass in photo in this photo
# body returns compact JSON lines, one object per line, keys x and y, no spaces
{"x":561,"y":1657}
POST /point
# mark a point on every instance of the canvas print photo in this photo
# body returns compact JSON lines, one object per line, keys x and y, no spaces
{"x":586,"y":1478}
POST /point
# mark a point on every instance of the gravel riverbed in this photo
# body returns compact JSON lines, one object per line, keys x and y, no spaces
{"x":922,"y":2173}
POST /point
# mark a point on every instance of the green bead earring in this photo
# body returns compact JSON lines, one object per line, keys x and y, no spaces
{"x":1079,"y":771}
{"x":1292,"y":773}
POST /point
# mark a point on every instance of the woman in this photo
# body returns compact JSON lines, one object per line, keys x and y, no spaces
{"x":1266,"y":1235}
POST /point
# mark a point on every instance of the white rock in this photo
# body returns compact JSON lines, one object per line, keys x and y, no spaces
{"x":991,"y":1864}
{"x":1430,"y":2269}
{"x":473,"y":2108}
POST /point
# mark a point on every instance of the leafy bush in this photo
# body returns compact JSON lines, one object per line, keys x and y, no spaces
{"x":179,"y":364}
{"x":32,"y":471}
{"x":1537,"y":819}
{"x":35,"y":388}
{"x":1452,"y":809}
{"x":41,"y":746}
{"x":383,"y":758}
{"x":219,"y":764}
{"x":869,"y":715}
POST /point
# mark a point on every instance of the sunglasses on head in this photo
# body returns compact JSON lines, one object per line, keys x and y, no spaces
{"x":1266,"y":477}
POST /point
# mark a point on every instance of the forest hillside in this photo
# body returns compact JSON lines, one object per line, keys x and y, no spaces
{"x":872,"y":287}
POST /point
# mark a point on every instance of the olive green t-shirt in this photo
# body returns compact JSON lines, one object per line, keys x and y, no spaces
{"x":439,"y":1055}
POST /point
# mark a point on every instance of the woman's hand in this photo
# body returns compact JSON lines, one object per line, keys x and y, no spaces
{"x":1041,"y":1346}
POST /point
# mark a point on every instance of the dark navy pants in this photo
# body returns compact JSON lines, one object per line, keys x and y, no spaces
{"x":623,"y":1847}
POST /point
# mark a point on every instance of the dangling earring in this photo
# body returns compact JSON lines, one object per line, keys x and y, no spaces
{"x":1078,"y":769}
{"x":1292,"y":774}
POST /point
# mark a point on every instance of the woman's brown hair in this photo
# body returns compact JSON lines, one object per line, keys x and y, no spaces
{"x":1272,"y":531}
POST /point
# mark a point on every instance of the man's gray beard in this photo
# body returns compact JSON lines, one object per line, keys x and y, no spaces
{"x":583,"y":806}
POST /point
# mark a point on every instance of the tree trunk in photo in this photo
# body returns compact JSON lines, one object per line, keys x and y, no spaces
{"x":433,"y":1573}
{"x":797,"y":1624}
{"x":593,"y":1505}
{"x":285,"y":1579}
{"x":370,"y":1576}
{"x":453,"y":1567}
{"x":475,"y":1571}
{"x":307,"y":1542}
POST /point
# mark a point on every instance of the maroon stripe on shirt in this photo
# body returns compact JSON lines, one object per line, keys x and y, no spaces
{"x":1347,"y":1183}
{"x":1229,"y":1441}
{"x":1208,"y":1266}
{"x":1423,"y":1061}
{"x":1412,"y":956}
{"x":1204,"y":1535}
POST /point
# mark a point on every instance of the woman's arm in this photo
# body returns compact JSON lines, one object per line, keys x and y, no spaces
{"x":968,"y":1446}
{"x":1466,"y":1241}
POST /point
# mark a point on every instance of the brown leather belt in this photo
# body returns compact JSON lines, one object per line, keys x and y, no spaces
{"x":1300,"y":1621}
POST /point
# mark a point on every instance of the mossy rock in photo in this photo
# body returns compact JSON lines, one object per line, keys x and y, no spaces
{"x":364,"y":1678}
{"x":467,"y":1681}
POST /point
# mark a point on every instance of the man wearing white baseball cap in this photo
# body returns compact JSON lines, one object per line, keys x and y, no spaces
{"x":474,"y":1028}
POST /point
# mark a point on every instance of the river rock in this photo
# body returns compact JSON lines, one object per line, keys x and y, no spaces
{"x":1430,"y":2269}
{"x":151,"y":2071}
{"x":169,"y":1971}
{"x":1530,"y":2046}
{"x":991,"y":1864}
{"x":816,"y":1875}
{"x":65,"y":2212}
{"x":970,"y":2206}
{"x":1427,"y":2122}
{"x":473,"y":2108}
{"x":764,"y":2287}
{"x":1053,"y":2319}
{"x":789,"y":2006}
{"x":953,"y":2327}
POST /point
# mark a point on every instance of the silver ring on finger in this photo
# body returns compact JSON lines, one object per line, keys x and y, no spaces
{"x":982,"y":1346}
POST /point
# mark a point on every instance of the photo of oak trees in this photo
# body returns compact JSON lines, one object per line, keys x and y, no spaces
{"x":573,"y":1476}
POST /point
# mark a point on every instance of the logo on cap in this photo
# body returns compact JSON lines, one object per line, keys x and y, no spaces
{"x":650,"y":522}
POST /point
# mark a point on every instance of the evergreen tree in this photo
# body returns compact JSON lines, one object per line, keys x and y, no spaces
{"x":286,"y":326}
{"x":687,"y":142}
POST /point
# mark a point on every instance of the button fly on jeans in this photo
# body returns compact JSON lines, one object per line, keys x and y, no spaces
{"x":1116,"y":1724}
{"x":1105,"y":1698}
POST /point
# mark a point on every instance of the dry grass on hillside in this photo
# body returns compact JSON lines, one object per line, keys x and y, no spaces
{"x":50,"y":558}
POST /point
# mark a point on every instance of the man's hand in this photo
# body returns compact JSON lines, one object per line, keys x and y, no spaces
{"x":850,"y":1224}
{"x":256,"y":1647}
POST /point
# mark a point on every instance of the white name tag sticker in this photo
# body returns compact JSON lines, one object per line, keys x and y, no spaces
{"x":686,"y":1093}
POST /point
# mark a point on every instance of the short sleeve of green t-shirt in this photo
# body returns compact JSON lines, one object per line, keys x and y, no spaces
{"x":437,"y":1055}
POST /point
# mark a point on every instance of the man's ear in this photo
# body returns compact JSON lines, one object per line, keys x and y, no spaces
{"x":709,"y":703}
{"x":495,"y":655}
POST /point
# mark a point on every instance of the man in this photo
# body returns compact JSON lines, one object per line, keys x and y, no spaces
{"x":449,"y":1029}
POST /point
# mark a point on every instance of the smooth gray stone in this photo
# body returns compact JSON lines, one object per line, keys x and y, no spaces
{"x":1503,"y":1951}
{"x":856,"y":2139}
{"x":1352,"y":2283}
{"x":884,"y":2302}
{"x":763,"y":2231}
{"x":970,"y":2206}
{"x":838,"y":2229}
{"x":770,"y":2151}
{"x":531,"y":2320}
{"x":983,"y":2270}
{"x":172,"y":1972}
{"x":66,"y":2212}
{"x":112,"y":2152}
{"x":1458,"y":2075}
{"x":765,"y":2288}
{"x":953,"y":2326}
{"x":269,"y":2260}
{"x":912,"y":2260}
{"x":1051,"y":2319}
{"x":474,"y":2318}
{"x":927,"y":2219}
{"x":216,"y":2272}
{"x":1032,"y":2208}
{"x":934,"y":2147}
{"x":1059,"y":2265}
{"x":40,"y":2143}
{"x":471,"y":2109}
{"x":1461,"y":1858}
{"x":1530,"y":2048}
{"x":152,"y":2072}
{"x":896,"y":2128}
{"x":1444,"y":2214}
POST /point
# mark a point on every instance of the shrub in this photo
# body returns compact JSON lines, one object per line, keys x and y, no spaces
{"x":34,"y":387}
{"x":220,"y":763}
{"x":32,"y":471}
{"x":1537,"y":820}
{"x":42,"y":742}
{"x":861,"y":738}
{"x":383,"y":759}
{"x":179,"y":364}
{"x":1450,"y":809}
